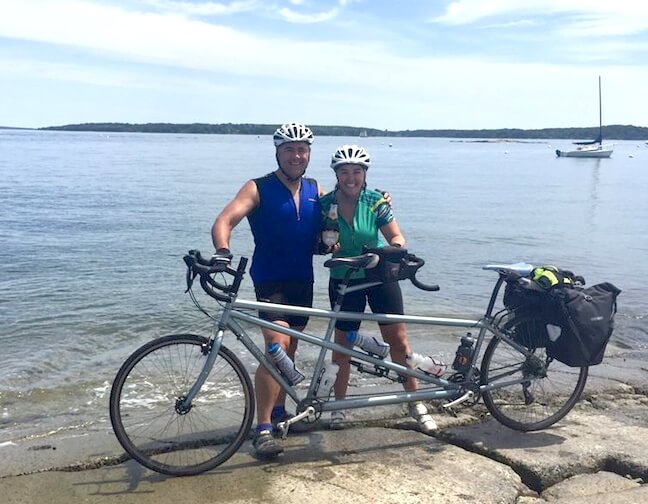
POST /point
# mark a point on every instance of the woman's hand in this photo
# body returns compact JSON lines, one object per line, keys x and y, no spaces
{"x":323,"y":249}
{"x":333,"y":248}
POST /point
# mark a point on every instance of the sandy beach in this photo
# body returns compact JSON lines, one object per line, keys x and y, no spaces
{"x":597,"y":454}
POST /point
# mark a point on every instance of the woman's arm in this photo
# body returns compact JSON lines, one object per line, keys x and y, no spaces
{"x":392,"y":234}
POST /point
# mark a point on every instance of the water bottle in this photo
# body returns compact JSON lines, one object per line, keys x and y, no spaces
{"x":331,"y":231}
{"x":369,"y":344}
{"x":327,"y":380}
{"x":426,"y":364}
{"x":463,"y":357}
{"x":283,"y":363}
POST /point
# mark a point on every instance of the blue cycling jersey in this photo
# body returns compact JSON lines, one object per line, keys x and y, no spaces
{"x":284,"y":236}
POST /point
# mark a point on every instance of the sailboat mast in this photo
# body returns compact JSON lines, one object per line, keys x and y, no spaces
{"x":600,"y":114}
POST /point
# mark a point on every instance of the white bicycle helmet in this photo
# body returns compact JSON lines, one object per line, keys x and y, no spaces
{"x":293,"y":132}
{"x":350,"y":154}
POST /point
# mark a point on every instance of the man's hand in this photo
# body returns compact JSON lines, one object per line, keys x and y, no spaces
{"x":385,"y":195}
{"x":222,"y":255}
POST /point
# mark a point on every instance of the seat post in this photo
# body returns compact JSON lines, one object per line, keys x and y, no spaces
{"x":342,"y":288}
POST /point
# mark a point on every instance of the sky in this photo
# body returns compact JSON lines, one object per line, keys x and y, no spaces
{"x":386,"y":64}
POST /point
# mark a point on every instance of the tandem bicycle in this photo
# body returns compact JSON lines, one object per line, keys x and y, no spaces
{"x":183,"y":404}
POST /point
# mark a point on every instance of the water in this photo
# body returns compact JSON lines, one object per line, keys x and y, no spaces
{"x":93,"y":228}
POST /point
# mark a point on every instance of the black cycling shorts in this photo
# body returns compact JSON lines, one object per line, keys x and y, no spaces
{"x":290,"y":293}
{"x":383,"y":298}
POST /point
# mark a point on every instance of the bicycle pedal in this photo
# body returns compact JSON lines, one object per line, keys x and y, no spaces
{"x":284,"y":426}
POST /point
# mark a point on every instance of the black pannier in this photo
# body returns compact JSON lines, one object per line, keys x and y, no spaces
{"x":586,"y":320}
{"x":394,"y":264}
{"x":584,"y":316}
{"x":531,"y":333}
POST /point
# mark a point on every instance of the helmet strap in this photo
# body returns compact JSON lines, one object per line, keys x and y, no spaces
{"x":288,"y":177}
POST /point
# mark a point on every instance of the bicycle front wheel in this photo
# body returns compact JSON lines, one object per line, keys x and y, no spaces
{"x":540,"y":390}
{"x":150,"y":422}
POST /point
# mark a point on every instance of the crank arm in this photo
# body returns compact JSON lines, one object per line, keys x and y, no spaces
{"x":467,"y":396}
{"x":285,"y":425}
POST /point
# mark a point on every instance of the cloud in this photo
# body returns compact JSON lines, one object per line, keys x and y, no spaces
{"x":578,"y":18}
{"x":171,"y":39}
{"x":204,"y":8}
{"x":101,"y":44}
{"x":104,"y":76}
{"x":296,"y":17}
{"x":319,"y":16}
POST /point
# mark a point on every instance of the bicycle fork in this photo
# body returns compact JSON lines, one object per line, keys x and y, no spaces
{"x":211,"y":349}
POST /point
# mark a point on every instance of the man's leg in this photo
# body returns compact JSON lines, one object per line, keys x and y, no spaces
{"x":267,"y":392}
{"x":278,"y":412}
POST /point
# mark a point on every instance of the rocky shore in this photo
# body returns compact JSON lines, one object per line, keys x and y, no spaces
{"x":597,"y":454}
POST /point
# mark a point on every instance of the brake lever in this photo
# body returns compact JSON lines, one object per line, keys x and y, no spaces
{"x":189,"y":261}
{"x":190,"y":279}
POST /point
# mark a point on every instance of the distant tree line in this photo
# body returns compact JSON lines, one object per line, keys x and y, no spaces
{"x":612,"y":132}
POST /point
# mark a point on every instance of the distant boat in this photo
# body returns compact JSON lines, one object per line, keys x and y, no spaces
{"x":587,"y":151}
{"x":363,"y":133}
{"x":593,"y":149}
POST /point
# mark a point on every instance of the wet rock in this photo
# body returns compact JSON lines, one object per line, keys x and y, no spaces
{"x":583,"y":485}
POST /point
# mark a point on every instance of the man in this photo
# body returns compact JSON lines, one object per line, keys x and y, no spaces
{"x":283,"y":210}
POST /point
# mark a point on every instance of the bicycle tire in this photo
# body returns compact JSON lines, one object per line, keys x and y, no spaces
{"x":552,"y":390}
{"x":143,"y":401}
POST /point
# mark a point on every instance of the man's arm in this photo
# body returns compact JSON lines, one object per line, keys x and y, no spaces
{"x":241,"y":206}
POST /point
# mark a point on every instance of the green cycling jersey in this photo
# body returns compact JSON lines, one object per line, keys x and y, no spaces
{"x":371,"y":213}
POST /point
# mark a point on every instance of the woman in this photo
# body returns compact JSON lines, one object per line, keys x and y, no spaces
{"x":361,"y":215}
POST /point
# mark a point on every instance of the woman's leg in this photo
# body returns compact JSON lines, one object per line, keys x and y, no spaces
{"x":396,"y":336}
{"x":387,"y":298}
{"x":353,"y":302}
{"x":342,"y":380}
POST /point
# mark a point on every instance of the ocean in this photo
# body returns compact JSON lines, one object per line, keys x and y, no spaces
{"x":93,"y":227}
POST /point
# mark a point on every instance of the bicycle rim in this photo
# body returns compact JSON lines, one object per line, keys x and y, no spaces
{"x":143,"y":406}
{"x":549,"y":389}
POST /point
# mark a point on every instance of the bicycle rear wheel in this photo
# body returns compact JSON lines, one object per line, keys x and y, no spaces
{"x":155,"y":431}
{"x":549,"y":389}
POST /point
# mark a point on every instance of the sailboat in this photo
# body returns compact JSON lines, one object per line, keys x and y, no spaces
{"x":593,"y":149}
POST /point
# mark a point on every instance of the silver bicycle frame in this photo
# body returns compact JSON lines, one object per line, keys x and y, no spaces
{"x":455,"y":391}
{"x":445,"y":388}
